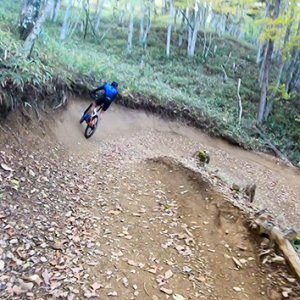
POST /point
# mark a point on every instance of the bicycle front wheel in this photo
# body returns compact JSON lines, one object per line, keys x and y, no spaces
{"x":90,"y":129}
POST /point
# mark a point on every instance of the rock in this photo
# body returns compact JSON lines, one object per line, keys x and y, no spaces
{"x":14,"y":241}
{"x":68,"y":214}
{"x":278,"y":260}
{"x":43,"y":259}
{"x":243,"y":261}
{"x":235,"y":187}
{"x":2,"y":265}
{"x":166,"y":291}
{"x":24,"y":287}
{"x":58,"y":246}
{"x":6,"y":167}
{"x":154,"y":297}
{"x":178,"y":297}
{"x":112,"y":294}
{"x":31,"y":173}
{"x":273,"y":295}
{"x":237,"y":289}
{"x":125,"y":282}
{"x":168,"y":274}
{"x":46,"y":276}
{"x":95,"y":286}
{"x":286,"y":292}
{"x":34,"y":278}
{"x":237,"y":262}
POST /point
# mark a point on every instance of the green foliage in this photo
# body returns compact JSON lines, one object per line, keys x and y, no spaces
{"x":281,"y":92}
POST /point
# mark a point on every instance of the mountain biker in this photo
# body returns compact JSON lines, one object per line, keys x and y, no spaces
{"x":109,"y":95}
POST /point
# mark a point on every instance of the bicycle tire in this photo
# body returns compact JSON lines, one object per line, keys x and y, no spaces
{"x":89,"y":131}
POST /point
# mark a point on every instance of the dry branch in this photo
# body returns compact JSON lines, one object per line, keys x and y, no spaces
{"x":225,"y":74}
{"x":283,"y":244}
{"x":276,"y":151}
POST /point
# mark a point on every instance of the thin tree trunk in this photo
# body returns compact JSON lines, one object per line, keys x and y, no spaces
{"x":130,"y":30}
{"x":63,"y":33}
{"x":291,"y":68}
{"x":121,"y":17}
{"x":148,"y":26}
{"x":56,"y":10}
{"x":192,"y":47}
{"x":171,"y":13}
{"x":267,"y":65}
{"x":87,"y":17}
{"x":262,"y":47}
{"x":294,"y":78}
{"x":142,"y":21}
{"x":190,"y":34}
{"x":280,"y":71}
{"x":29,"y":15}
{"x":180,"y":39}
{"x":98,"y":16}
{"x":33,"y":35}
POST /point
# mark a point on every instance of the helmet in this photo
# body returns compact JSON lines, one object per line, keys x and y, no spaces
{"x":114,"y":84}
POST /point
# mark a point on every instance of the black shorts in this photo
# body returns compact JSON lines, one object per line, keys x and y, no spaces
{"x":102,"y":100}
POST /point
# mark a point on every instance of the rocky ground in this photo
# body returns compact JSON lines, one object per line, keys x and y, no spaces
{"x":103,"y":219}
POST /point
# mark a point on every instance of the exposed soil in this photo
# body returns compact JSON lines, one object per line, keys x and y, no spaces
{"x":109,"y":218}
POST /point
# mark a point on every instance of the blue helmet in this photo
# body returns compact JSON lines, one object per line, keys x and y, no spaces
{"x":114,"y":84}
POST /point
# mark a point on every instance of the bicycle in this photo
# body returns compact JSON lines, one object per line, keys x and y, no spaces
{"x":92,"y":120}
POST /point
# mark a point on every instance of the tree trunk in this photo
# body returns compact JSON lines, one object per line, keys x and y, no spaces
{"x":171,"y":13}
{"x":191,"y":50}
{"x":63,"y":33}
{"x":272,"y":97}
{"x":280,"y":71}
{"x":148,"y":26}
{"x":87,"y":17}
{"x":56,"y":11}
{"x":98,"y":16}
{"x":130,"y":30}
{"x":190,"y":33}
{"x":142,"y":21}
{"x":262,"y":47}
{"x":33,"y":35}
{"x":29,"y":15}
{"x":266,"y":69}
{"x":294,"y":77}
{"x":292,"y":65}
{"x":181,"y":32}
{"x":121,"y":18}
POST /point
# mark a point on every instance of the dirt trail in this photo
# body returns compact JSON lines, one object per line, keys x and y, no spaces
{"x":117,"y":216}
{"x":137,"y":135}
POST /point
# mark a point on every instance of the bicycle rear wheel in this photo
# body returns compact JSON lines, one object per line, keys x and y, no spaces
{"x":90,"y":130}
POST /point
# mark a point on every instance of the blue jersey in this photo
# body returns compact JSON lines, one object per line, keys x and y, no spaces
{"x":110,"y":91}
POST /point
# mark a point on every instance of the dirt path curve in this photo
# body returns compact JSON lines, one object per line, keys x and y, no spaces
{"x":106,"y":219}
{"x":137,"y":135}
{"x":157,"y":219}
